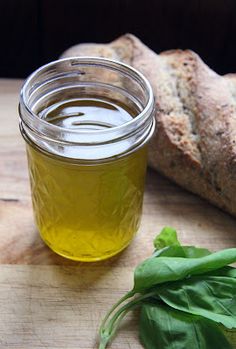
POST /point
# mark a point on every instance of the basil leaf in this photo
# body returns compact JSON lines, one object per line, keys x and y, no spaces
{"x":181,"y":251}
{"x":167,"y":237}
{"x":154,"y":271}
{"x":195,"y":252}
{"x":164,"y":328}
{"x":225,"y":271}
{"x":167,"y":243}
{"x":213,"y":297}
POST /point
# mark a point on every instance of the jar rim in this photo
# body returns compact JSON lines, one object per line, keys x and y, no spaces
{"x":91,"y":144}
{"x":91,"y":61}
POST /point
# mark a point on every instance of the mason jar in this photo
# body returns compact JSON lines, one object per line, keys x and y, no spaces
{"x":86,"y":122}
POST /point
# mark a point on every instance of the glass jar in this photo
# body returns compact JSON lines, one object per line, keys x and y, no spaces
{"x":86,"y":122}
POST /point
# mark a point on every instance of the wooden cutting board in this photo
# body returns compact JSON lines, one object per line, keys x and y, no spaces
{"x":49,"y":302}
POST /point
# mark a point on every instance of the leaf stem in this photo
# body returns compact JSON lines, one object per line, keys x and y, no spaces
{"x":121,"y":300}
{"x":108,"y":330}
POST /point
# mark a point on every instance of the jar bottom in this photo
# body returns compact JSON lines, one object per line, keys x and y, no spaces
{"x":86,"y":258}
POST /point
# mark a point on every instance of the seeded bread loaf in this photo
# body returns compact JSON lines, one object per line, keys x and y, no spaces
{"x":195,"y":140}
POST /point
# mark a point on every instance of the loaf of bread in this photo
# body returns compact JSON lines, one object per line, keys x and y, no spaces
{"x":195,"y":140}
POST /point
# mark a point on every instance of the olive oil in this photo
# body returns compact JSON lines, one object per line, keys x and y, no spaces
{"x":84,"y":211}
{"x":87,"y":113}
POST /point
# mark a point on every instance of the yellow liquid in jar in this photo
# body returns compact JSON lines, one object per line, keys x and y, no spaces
{"x":87,"y":212}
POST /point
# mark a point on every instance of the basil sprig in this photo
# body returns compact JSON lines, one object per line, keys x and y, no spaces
{"x":186,"y":295}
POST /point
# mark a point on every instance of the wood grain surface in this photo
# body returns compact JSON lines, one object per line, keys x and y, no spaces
{"x":49,"y":302}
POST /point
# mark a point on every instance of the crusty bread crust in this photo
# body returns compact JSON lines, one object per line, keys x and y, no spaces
{"x":195,"y":140}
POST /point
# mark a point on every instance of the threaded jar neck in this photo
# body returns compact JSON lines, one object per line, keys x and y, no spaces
{"x":87,"y":77}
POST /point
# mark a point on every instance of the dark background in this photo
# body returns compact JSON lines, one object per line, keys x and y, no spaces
{"x":34,"y":32}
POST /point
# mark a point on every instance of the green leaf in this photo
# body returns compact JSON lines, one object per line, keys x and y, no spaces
{"x":154,"y":271}
{"x":164,"y":328}
{"x":195,"y":252}
{"x":225,"y":271}
{"x":181,"y":251}
{"x":167,"y":237}
{"x":213,"y":297}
